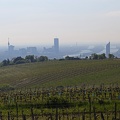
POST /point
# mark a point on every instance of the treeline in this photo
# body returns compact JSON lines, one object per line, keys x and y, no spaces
{"x":93,"y":56}
{"x":27,"y":59}
{"x":101,"y":56}
{"x":32,"y":58}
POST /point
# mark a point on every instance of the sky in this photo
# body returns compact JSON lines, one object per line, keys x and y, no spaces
{"x":37,"y":22}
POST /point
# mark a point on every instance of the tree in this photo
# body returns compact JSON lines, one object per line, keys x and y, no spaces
{"x":69,"y":58}
{"x":5,"y":62}
{"x":15,"y":60}
{"x":86,"y":57}
{"x":30,"y":58}
{"x":8,"y":61}
{"x":42,"y":58}
{"x":94,"y":56}
{"x":102,"y":56}
{"x":111,"y":56}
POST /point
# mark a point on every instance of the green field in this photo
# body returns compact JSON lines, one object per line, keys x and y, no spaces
{"x":87,"y":90}
{"x":65,"y":73}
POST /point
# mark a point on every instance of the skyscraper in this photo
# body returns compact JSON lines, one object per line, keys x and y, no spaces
{"x":10,"y":49}
{"x":56,"y":45}
{"x":107,"y":50}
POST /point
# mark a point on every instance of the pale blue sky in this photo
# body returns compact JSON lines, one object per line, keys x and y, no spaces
{"x":33,"y":22}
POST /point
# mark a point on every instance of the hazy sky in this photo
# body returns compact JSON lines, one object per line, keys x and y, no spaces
{"x":36,"y":22}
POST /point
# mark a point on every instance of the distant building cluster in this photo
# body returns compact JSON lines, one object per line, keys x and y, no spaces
{"x":56,"y":52}
{"x":21,"y":52}
{"x":11,"y":52}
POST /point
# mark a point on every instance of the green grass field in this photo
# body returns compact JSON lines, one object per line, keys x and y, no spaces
{"x":65,"y":73}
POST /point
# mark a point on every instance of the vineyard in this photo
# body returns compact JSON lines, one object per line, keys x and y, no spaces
{"x":69,"y":103}
{"x":61,"y":90}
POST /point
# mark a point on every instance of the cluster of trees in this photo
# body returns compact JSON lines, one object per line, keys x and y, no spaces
{"x":93,"y":56}
{"x":27,"y":59}
{"x":32,"y":58}
{"x":96,"y":56}
{"x":101,"y":56}
{"x":71,"y":58}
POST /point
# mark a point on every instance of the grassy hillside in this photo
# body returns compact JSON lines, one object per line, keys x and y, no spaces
{"x":54,"y":73}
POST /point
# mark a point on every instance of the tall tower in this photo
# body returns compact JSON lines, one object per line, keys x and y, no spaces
{"x":10,"y":49}
{"x":56,"y":45}
{"x":107,"y":50}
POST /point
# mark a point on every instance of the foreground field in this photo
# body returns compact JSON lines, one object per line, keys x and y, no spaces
{"x":61,"y":90}
{"x":66,"y":73}
{"x":69,"y":103}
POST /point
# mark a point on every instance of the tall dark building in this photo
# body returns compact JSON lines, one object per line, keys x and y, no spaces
{"x":107,"y":50}
{"x":56,"y":45}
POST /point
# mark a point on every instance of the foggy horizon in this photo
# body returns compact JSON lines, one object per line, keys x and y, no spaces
{"x":34,"y":22}
{"x":61,"y":45}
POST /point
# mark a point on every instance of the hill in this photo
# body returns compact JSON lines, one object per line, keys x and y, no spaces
{"x":65,"y":73}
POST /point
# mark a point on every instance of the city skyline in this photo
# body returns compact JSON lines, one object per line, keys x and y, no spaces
{"x":56,"y":51}
{"x":34,"y":22}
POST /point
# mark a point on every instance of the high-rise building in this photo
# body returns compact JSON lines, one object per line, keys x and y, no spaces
{"x":107,"y":50}
{"x":10,"y":49}
{"x":56,"y":45}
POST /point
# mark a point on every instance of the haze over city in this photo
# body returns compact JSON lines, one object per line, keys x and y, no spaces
{"x":37,"y":22}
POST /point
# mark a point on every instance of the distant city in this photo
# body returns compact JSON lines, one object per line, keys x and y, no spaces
{"x":58,"y":52}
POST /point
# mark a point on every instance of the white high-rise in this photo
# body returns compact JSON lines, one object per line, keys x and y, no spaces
{"x":56,"y":45}
{"x":108,"y":50}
